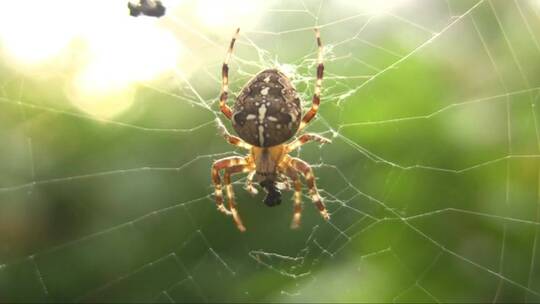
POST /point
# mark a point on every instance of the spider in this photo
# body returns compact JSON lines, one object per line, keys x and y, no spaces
{"x":266,"y":114}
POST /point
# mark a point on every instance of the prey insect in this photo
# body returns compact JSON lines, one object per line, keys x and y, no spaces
{"x":152,"y":8}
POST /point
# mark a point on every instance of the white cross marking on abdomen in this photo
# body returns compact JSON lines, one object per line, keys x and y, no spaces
{"x":262,"y":115}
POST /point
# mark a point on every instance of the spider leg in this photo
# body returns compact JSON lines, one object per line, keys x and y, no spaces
{"x":292,"y":173}
{"x":303,"y":167}
{"x":225,"y":79}
{"x":283,"y":185}
{"x":297,"y":203}
{"x":249,"y":184}
{"x":233,"y":140}
{"x":318,"y":84}
{"x":230,"y":193}
{"x":219,"y":165}
{"x":305,"y":138}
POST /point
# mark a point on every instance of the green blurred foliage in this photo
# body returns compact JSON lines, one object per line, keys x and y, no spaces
{"x":432,"y":178}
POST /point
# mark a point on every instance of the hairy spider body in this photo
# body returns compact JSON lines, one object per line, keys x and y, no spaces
{"x":267,"y":111}
{"x":266,"y":114}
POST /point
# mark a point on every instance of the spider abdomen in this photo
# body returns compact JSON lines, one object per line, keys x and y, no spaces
{"x":267,"y":111}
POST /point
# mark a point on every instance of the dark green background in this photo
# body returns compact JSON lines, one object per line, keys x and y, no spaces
{"x":432,"y":178}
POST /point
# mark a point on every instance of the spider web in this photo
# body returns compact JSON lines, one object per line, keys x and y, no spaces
{"x":432,"y":179}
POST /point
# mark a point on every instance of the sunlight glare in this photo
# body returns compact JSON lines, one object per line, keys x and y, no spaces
{"x":218,"y":13}
{"x":113,"y":51}
{"x":32,"y":32}
{"x":120,"y":57}
{"x":379,"y":7}
{"x":106,"y":51}
{"x":535,"y":4}
{"x":100,"y":97}
{"x":134,"y":52}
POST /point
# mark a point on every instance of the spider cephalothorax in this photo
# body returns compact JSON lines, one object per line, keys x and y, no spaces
{"x":266,"y":114}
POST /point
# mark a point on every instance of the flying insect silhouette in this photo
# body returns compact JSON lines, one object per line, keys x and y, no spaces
{"x":152,"y":8}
